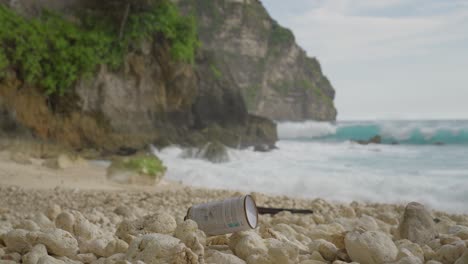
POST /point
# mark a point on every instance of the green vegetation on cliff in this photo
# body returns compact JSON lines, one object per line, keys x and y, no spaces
{"x":216,"y":72}
{"x":53,"y":53}
{"x":280,"y":35}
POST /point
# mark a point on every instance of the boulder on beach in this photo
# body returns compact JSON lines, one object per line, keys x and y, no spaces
{"x":160,"y":249}
{"x":16,"y":241}
{"x":160,"y":222}
{"x":65,"y":161}
{"x":417,"y":224}
{"x":139,"y":169}
{"x":33,"y":256}
{"x":216,"y":257}
{"x":57,"y":241}
{"x":370,"y":247}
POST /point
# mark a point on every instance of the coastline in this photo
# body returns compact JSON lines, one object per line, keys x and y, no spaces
{"x":32,"y":197}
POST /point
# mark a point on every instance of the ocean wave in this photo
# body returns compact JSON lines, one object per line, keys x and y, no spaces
{"x":391,"y":132}
{"x":338,"y":172}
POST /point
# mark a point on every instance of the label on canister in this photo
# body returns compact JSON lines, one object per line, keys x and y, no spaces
{"x":227,"y":216}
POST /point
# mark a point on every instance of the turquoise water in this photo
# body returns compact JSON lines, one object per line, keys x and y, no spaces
{"x":392,"y":132}
{"x":429,"y":164}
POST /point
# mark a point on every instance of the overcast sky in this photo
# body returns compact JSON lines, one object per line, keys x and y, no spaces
{"x":391,"y":59}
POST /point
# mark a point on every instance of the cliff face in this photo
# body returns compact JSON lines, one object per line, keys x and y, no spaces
{"x":275,"y":75}
{"x":151,"y":99}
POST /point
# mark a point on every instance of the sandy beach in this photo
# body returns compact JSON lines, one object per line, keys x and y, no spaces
{"x":75,"y":215}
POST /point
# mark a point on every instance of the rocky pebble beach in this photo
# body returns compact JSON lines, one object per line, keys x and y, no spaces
{"x":39,"y":226}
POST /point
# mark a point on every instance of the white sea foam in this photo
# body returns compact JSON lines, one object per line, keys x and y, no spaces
{"x":337,"y":171}
{"x":308,"y":129}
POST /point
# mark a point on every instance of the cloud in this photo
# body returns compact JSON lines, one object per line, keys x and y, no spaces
{"x":338,"y":30}
{"x":386,"y":58}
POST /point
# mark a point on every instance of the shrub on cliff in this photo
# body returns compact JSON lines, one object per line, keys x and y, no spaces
{"x":139,"y":169}
{"x":53,"y":53}
{"x":145,"y":164}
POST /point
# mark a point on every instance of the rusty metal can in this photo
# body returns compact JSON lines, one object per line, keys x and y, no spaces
{"x":226,"y":216}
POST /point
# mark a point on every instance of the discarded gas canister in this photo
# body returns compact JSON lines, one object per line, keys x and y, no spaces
{"x":227,"y":216}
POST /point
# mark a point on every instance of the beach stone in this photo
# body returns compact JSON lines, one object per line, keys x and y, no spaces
{"x":49,"y":260}
{"x":28,"y":224}
{"x":43,"y":221}
{"x":316,"y":256}
{"x":311,"y":261}
{"x":5,"y":227}
{"x":129,"y":212}
{"x":16,"y":241}
{"x":216,"y":257}
{"x":160,"y":222}
{"x":75,"y":223}
{"x":217,"y":240}
{"x":388,"y":217}
{"x":348,"y":212}
{"x":57,"y":241}
{"x":103,"y":247}
{"x":457,"y":228}
{"x":64,"y":161}
{"x":327,"y":249}
{"x":20,"y":158}
{"x":115,"y":259}
{"x":191,"y":236}
{"x":160,"y":249}
{"x":463,"y":259}
{"x":333,"y":233}
{"x":463,"y":234}
{"x":406,"y":257}
{"x":286,"y":234}
{"x":33,"y":256}
{"x":429,"y":253}
{"x":434,"y":244}
{"x":371,"y":247}
{"x":65,"y":221}
{"x":86,"y":257}
{"x":247,"y":243}
{"x":414,"y":248}
{"x":448,"y":254}
{"x":343,"y":262}
{"x":444,"y":224}
{"x":433,"y":262}
{"x":53,"y":211}
{"x":409,"y":260}
{"x":342,"y":254}
{"x":15,"y":256}
{"x":444,"y":240}
{"x":259,"y":259}
{"x":365,"y":222}
{"x":68,"y":260}
{"x":417,"y":224}
{"x":2,"y":261}
{"x":115,"y":246}
{"x":281,"y":252}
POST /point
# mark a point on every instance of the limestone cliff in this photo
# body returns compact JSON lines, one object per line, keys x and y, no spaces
{"x":278,"y":80}
{"x":150,"y":99}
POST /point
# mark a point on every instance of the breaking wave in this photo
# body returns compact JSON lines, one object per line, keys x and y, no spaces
{"x":391,"y":132}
